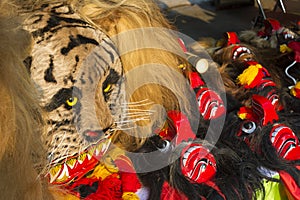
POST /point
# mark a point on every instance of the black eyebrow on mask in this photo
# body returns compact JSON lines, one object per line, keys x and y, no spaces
{"x":60,"y":98}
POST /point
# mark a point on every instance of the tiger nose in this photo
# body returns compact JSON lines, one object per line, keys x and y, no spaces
{"x":93,"y":136}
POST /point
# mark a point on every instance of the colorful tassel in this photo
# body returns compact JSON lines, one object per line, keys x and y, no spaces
{"x":130,"y":196}
{"x":285,"y":49}
{"x":250,"y":76}
{"x":245,"y":113}
{"x":295,"y":91}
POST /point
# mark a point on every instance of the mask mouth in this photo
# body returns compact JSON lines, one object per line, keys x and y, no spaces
{"x":284,"y":141}
{"x":287,"y":35}
{"x":197,"y":164}
{"x":239,"y":51}
{"x":75,"y":167}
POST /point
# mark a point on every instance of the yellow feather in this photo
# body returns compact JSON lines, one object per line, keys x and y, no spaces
{"x":293,"y":91}
{"x":248,"y":75}
{"x":284,"y":48}
{"x":102,"y":171}
{"x":130,"y":196}
{"x":242,"y":116}
{"x":59,"y":193}
{"x":297,"y":86}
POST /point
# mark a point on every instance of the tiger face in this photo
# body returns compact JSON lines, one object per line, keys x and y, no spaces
{"x":79,"y":76}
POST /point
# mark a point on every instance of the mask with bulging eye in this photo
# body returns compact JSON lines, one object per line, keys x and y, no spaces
{"x":247,"y":130}
{"x":248,"y":127}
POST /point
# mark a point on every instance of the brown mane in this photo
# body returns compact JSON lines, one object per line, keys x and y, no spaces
{"x":21,"y":153}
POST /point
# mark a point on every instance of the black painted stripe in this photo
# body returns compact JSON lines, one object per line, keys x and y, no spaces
{"x":39,"y":18}
{"x":104,"y":61}
{"x":48,"y":74}
{"x":77,"y":41}
{"x":55,"y":21}
{"x":112,"y":57}
{"x":28,"y":63}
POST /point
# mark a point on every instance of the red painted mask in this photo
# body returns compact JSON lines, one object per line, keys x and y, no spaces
{"x":285,"y":142}
{"x":198,"y":164}
{"x":211,"y":106}
{"x":180,"y":130}
{"x":231,"y":38}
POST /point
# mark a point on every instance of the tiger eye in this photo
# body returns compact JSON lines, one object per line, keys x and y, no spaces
{"x":72,"y":101}
{"x":108,"y":88}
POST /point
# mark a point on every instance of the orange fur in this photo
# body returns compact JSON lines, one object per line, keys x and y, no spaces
{"x":122,"y":16}
{"x":166,"y":87}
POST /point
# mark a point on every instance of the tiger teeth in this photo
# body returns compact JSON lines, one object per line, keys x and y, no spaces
{"x":288,"y":36}
{"x":89,"y":156}
{"x":71,"y":163}
{"x":92,"y":150}
{"x":97,"y":152}
{"x":54,"y":172}
{"x":64,"y":173}
{"x":99,"y":149}
{"x":103,"y":147}
{"x":61,"y":172}
{"x":82,"y":157}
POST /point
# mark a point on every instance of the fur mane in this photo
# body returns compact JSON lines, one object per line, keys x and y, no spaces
{"x":127,"y":23}
{"x":21,"y":152}
{"x":131,"y":24}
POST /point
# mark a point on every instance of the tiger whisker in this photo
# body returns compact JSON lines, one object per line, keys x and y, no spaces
{"x":54,"y":144}
{"x":124,"y":129}
{"x":139,"y":115}
{"x":136,"y":109}
{"x":142,"y":114}
{"x":131,"y":120}
{"x":137,"y":103}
